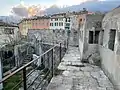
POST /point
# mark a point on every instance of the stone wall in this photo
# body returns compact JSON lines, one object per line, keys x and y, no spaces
{"x":53,"y":36}
{"x":47,"y":36}
{"x":21,"y":53}
{"x":111,"y":65}
{"x":90,"y":24}
{"x":111,"y":57}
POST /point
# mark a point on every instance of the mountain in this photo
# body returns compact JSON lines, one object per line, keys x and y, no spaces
{"x":10,"y":19}
{"x":96,"y":6}
{"x":102,"y":6}
{"x":93,"y":6}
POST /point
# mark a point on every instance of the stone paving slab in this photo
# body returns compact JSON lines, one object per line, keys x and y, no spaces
{"x":79,"y":76}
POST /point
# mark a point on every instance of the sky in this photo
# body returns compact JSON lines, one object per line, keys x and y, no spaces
{"x":6,"y":5}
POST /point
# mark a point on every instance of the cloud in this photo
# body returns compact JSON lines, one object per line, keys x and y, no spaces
{"x":70,"y":2}
{"x":20,"y":11}
{"x":27,"y":10}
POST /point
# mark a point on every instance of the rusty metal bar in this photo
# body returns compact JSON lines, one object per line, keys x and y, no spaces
{"x":21,"y":68}
{"x":24,"y":79}
{"x":52,"y":62}
{"x":60,"y":53}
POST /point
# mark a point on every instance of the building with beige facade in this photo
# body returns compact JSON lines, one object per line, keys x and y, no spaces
{"x":33,"y":23}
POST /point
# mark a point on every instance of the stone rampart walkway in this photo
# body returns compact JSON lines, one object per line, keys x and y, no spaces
{"x":79,"y":76}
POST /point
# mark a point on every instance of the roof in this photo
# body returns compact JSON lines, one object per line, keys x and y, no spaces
{"x":59,"y":14}
{"x":35,"y":18}
{"x":114,"y":13}
{"x":7,"y":24}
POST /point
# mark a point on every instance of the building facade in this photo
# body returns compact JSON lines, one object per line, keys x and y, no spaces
{"x":110,"y":49}
{"x":89,"y":33}
{"x":57,"y":21}
{"x":65,"y":21}
{"x":100,"y":34}
{"x":33,"y":23}
{"x":8,"y":32}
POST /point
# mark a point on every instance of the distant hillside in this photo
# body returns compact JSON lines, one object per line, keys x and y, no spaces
{"x":94,"y":5}
{"x":102,"y":6}
{"x":10,"y":19}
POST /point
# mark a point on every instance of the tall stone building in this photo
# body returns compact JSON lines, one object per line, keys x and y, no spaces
{"x":110,"y":49}
{"x":89,"y":33}
{"x":100,"y":34}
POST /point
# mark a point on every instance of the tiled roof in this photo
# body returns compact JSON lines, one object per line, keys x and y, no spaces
{"x":35,"y":18}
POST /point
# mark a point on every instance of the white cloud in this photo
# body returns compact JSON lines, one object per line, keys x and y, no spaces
{"x":70,"y":2}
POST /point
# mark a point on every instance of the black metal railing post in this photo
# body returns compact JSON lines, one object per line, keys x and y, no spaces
{"x":67,"y":42}
{"x":24,"y":79}
{"x":52,"y":62}
{"x":60,"y":52}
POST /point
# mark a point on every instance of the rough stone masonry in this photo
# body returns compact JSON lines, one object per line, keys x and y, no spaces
{"x":79,"y":76}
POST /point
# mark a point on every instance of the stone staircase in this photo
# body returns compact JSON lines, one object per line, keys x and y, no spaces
{"x":27,"y":59}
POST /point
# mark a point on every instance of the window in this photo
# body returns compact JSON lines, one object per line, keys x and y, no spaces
{"x":9,"y":31}
{"x":112,"y":39}
{"x":67,"y":24}
{"x":91,"y":37}
{"x":69,"y":20}
{"x":50,"y":24}
{"x":67,"y":28}
{"x":94,"y":37}
{"x":51,"y":19}
{"x":101,"y":40}
{"x":55,"y":24}
{"x":66,"y":20}
{"x":56,"y":19}
{"x":61,"y":24}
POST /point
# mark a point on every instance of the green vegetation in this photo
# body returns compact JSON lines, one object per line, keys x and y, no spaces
{"x":11,"y":82}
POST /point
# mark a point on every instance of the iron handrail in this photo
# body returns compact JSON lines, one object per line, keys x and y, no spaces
{"x":26,"y":65}
{"x":52,"y":64}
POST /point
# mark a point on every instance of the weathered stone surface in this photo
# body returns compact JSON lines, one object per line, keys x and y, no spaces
{"x":77,"y":76}
{"x":87,"y":68}
{"x":95,"y":59}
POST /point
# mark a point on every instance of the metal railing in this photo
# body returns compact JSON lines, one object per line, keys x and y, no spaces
{"x":36,"y":74}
